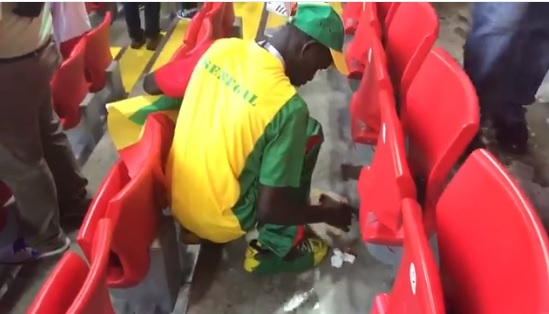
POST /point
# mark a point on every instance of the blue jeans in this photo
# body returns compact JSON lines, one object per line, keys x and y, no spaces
{"x":507,"y":56}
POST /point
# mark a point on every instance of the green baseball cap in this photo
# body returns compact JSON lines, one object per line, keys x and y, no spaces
{"x":320,"y":21}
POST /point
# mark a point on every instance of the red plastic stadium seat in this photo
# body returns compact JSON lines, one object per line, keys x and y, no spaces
{"x":98,"y":55}
{"x":440,"y":116}
{"x":72,"y":287}
{"x":410,"y":36}
{"x":69,"y":87}
{"x":386,"y":182}
{"x":132,"y":196}
{"x":417,"y":287}
{"x":365,"y":102}
{"x":494,"y":252}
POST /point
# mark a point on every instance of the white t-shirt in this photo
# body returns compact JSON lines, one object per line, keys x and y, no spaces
{"x":70,"y":20}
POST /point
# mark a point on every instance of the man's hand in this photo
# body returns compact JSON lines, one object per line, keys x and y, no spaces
{"x":338,"y":214}
{"x":150,"y":86}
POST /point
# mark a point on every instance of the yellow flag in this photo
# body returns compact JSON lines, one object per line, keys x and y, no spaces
{"x":126,"y":118}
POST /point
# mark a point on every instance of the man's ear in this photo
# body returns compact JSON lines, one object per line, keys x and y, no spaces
{"x":307,"y":47}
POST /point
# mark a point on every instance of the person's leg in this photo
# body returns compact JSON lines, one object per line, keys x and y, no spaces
{"x":22,"y":164}
{"x":492,"y":59}
{"x":69,"y":181}
{"x":290,"y":248}
{"x":531,"y":63}
{"x":133,"y":22}
{"x":71,"y":184}
{"x":487,"y":56}
{"x":152,"y":24}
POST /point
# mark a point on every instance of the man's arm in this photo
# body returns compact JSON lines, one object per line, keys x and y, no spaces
{"x":276,"y":207}
{"x":281,"y":169}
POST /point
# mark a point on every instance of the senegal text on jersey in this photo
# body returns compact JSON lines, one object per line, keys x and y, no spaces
{"x":229,"y":81}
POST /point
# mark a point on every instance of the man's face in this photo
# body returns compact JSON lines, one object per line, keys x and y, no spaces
{"x":312,"y":57}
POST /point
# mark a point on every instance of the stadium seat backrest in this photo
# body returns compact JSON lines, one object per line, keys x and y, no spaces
{"x":191,"y":35}
{"x":153,"y":147}
{"x":440,"y":116}
{"x":134,"y":208}
{"x":386,"y":12}
{"x":228,"y":20}
{"x":494,"y":251}
{"x":410,"y":36}
{"x":139,"y":204}
{"x":94,"y":295}
{"x":417,"y":287}
{"x":372,"y":16}
{"x":387,"y":181}
{"x":66,"y":47}
{"x":351,"y":15}
{"x":181,"y":52}
{"x":356,"y":53}
{"x":69,"y":87}
{"x":365,"y":102}
{"x":114,"y":182}
{"x":216,"y":14}
{"x":206,"y":32}
{"x":204,"y":39}
{"x":72,"y":287}
{"x":98,"y":54}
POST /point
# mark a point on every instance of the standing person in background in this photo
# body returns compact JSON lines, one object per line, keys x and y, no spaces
{"x":507,"y":56}
{"x":151,"y":35}
{"x":188,"y":10}
{"x":70,"y":23}
{"x":36,"y":159}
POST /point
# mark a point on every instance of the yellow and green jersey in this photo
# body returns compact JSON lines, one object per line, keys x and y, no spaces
{"x":241,"y":124}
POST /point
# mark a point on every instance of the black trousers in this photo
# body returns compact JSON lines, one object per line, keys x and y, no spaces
{"x":152,"y":19}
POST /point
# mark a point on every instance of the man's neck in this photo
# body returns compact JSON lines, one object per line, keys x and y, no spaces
{"x":275,"y":52}
{"x":280,"y":48}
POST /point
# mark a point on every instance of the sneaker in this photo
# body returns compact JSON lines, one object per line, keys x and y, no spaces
{"x":306,"y":255}
{"x":20,"y":252}
{"x":152,"y":43}
{"x":186,"y":14}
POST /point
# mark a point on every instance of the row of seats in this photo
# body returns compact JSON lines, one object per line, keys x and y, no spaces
{"x":214,"y":20}
{"x":131,"y":197}
{"x":83,"y":71}
{"x":491,"y":242}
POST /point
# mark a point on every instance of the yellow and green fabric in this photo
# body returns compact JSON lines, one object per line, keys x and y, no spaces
{"x":241,"y":124}
{"x":126,"y":118}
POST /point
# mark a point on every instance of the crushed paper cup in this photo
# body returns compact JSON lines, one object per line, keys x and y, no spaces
{"x":339,"y":257}
{"x":337,"y":261}
{"x":349,"y":258}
